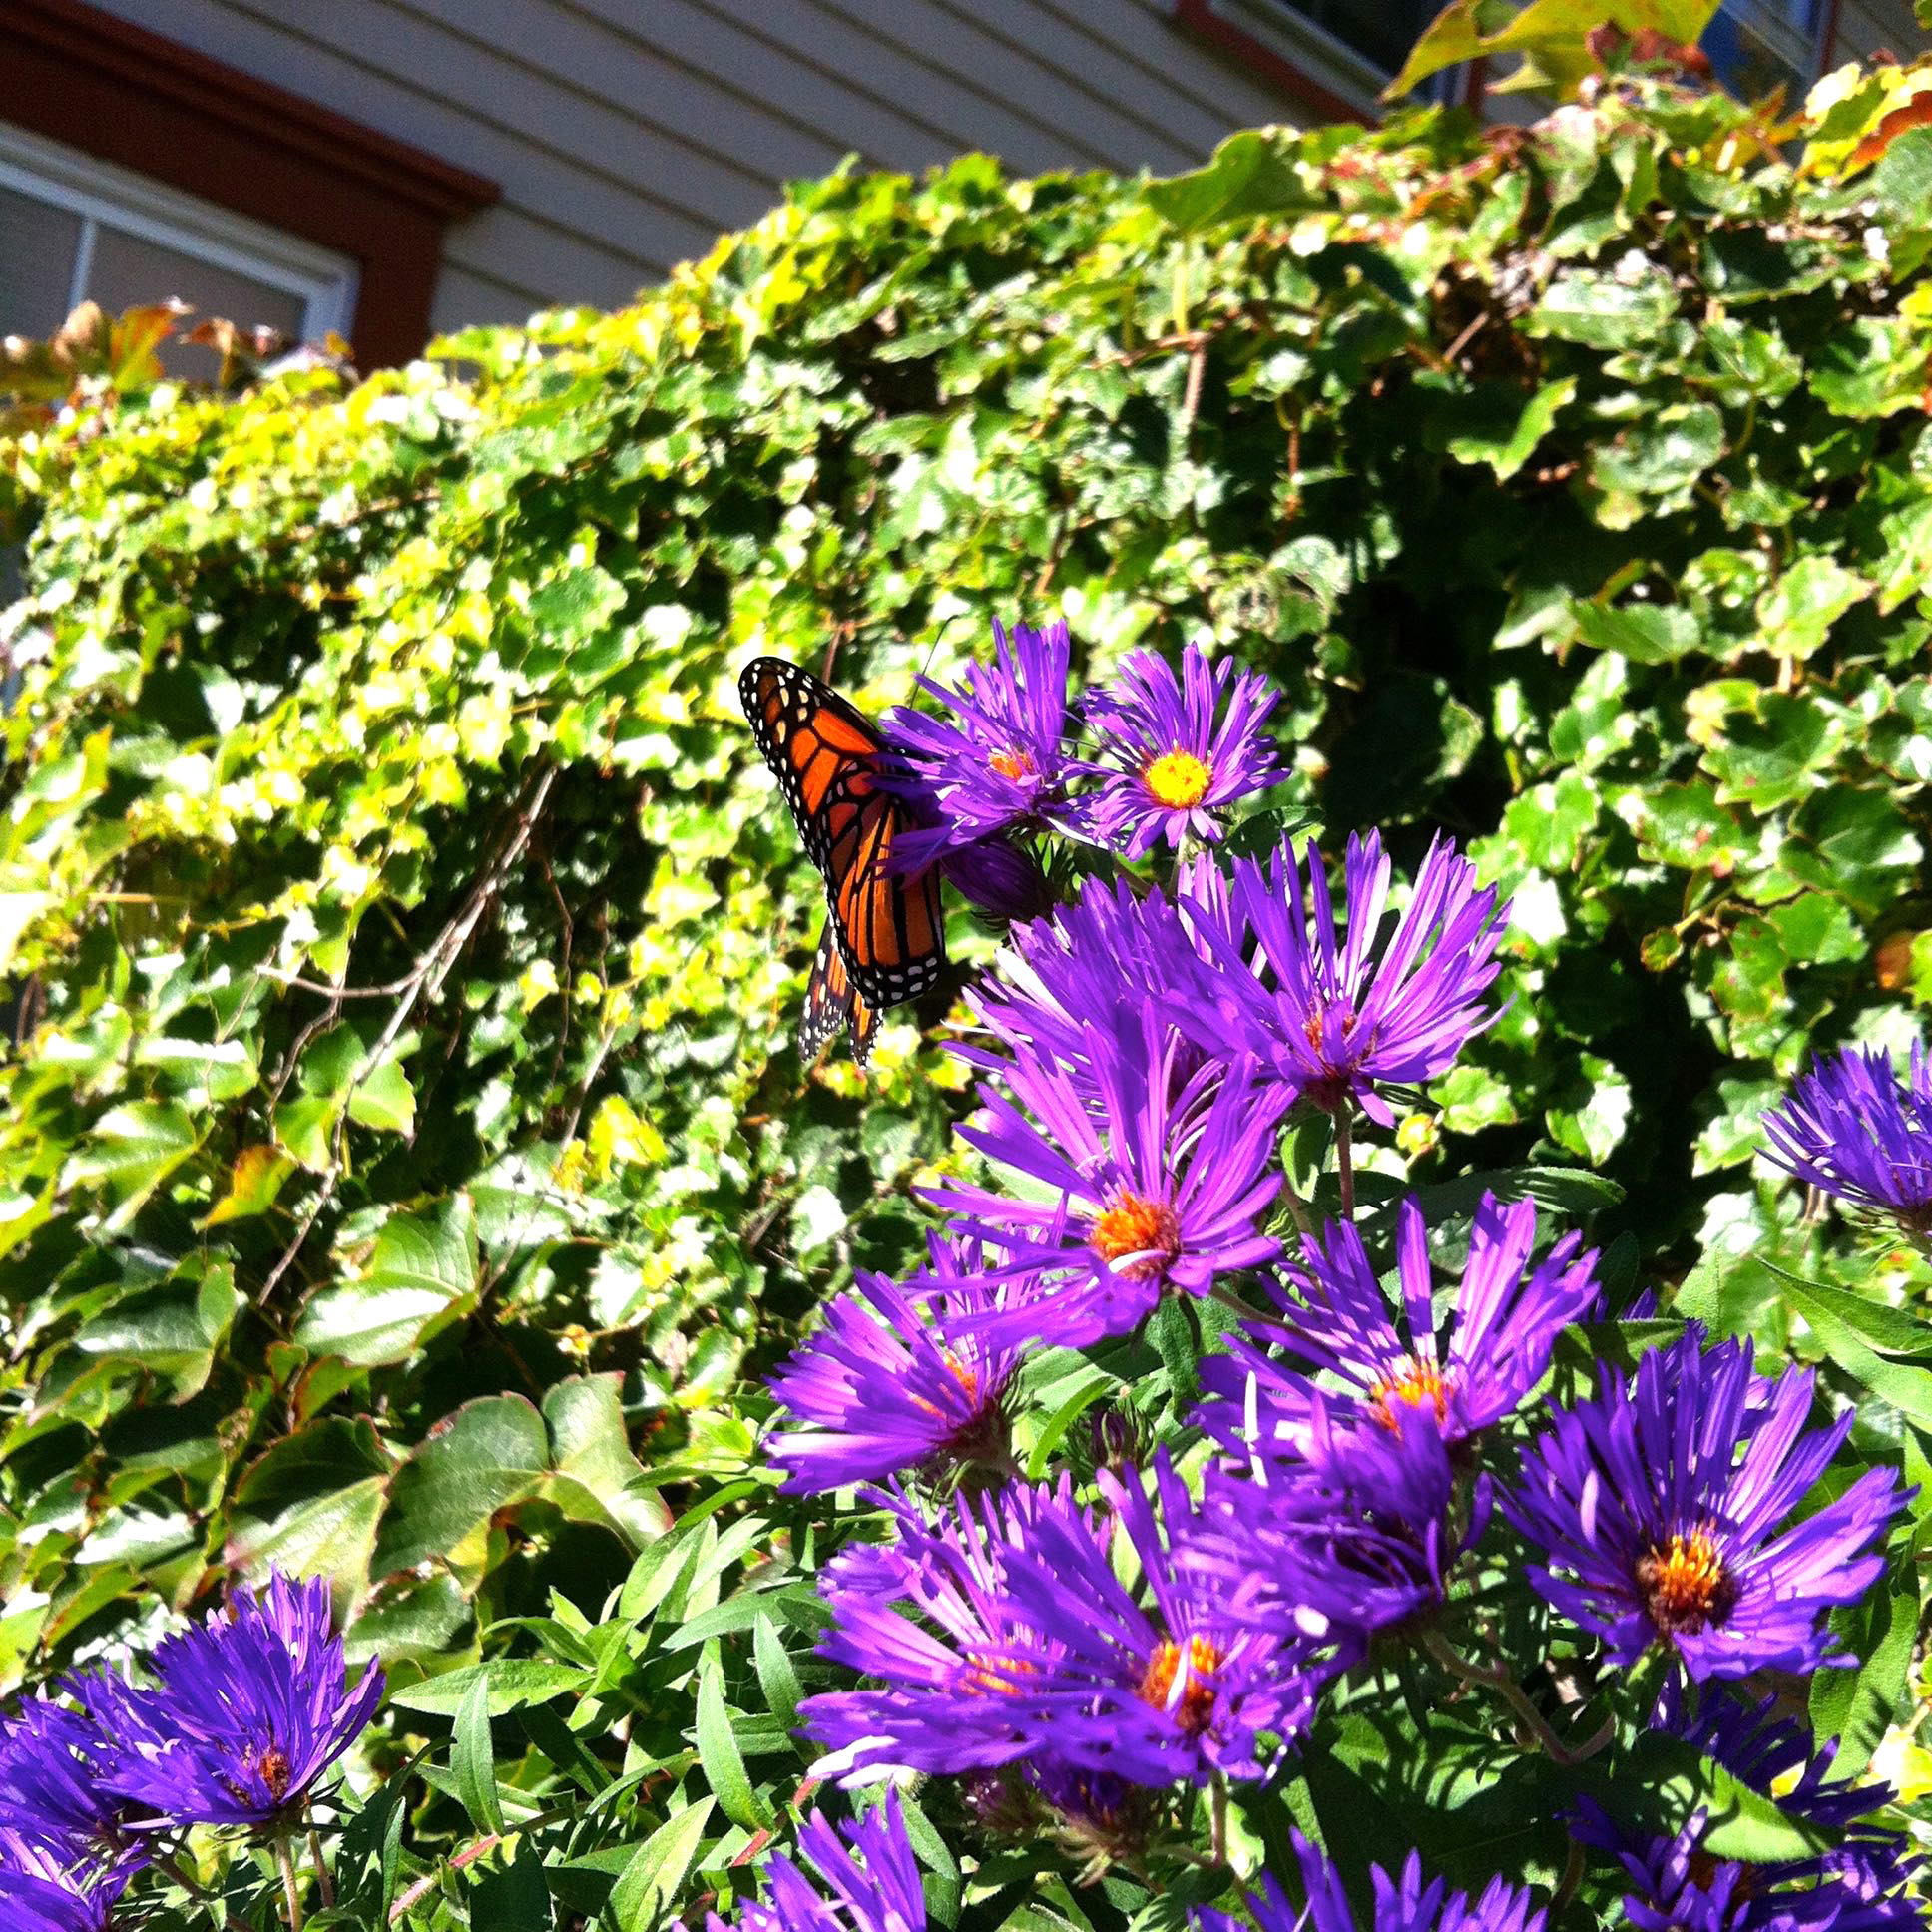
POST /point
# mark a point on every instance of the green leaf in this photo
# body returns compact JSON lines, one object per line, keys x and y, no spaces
{"x":421,"y":1275}
{"x":591,"y":1461}
{"x":1513,"y":433}
{"x":1799,"y":609}
{"x":777,"y":1675}
{"x":1250,"y":175}
{"x":489,"y":1454}
{"x":1664,"y":1781}
{"x":309,"y":1505}
{"x":129,"y":1151}
{"x":472,"y":1759}
{"x":254,"y":1182}
{"x":1604,"y":311}
{"x":717,"y":1752}
{"x":649,"y":1885}
{"x":1907,"y":1389}
{"x":504,"y":1684}
{"x":1858,"y":1707}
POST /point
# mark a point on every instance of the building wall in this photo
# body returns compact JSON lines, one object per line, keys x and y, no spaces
{"x":1864,"y":26}
{"x":627,"y":134}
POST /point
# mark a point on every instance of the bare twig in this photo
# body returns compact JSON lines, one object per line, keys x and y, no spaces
{"x":418,"y":986}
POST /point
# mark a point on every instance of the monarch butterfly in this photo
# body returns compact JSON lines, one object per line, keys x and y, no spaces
{"x":883,"y":942}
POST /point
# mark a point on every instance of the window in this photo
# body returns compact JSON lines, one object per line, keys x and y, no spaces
{"x":1756,"y":45}
{"x":74,"y":230}
{"x":1335,"y":55}
{"x":1381,"y":31}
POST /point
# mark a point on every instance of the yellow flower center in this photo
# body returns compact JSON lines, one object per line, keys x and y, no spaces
{"x":1195,"y":1707}
{"x":1135,"y":1235}
{"x":1011,"y":764}
{"x":1684,"y":1584}
{"x":1178,"y":780}
{"x":1416,"y":1382}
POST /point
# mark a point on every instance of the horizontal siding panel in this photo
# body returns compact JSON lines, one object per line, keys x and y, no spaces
{"x":624,"y":72}
{"x":1864,"y":26}
{"x":1089,"y":60}
{"x":570,"y":266}
{"x":803,"y":86}
{"x":1228,"y":92}
{"x":1086,"y":133}
{"x":962,"y":117}
{"x":475,"y":80}
{"x":466,"y":299}
{"x":612,"y":227}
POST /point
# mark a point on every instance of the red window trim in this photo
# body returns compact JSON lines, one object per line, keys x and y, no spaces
{"x":1302,"y":87}
{"x":115,"y":91}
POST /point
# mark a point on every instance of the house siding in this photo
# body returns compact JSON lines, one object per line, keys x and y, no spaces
{"x":627,"y":135}
{"x":1865,"y":26}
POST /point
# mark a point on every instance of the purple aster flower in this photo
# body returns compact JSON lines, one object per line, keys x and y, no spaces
{"x":1664,"y":1510}
{"x":1400,"y":1905}
{"x":1032,"y":1648}
{"x":246,"y":1714}
{"x":42,"y":1891}
{"x":892,"y":1389}
{"x":1102,"y":962}
{"x":51,"y":1763}
{"x":1852,"y":1127}
{"x":1154,"y":1182}
{"x":1340,"y":1018}
{"x":1852,"y":1884}
{"x":1000,"y":763}
{"x":1353,"y":1535}
{"x":867,"y":1865}
{"x":1188,"y":748}
{"x":1335,"y":1319}
{"x":930,"y":1617}
{"x":999,"y":877}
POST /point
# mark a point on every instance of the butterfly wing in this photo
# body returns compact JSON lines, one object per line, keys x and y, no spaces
{"x":888,"y":925}
{"x":809,"y":737}
{"x":831,"y":1004}
{"x":826,"y":759}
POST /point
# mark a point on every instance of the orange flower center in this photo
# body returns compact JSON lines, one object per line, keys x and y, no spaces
{"x":1684,"y":1584}
{"x":995,"y":1674}
{"x":1137,"y":1236}
{"x":1013,"y":763}
{"x":1195,"y":1707}
{"x":1178,"y":780}
{"x":1416,"y":1382}
{"x":275,"y":1772}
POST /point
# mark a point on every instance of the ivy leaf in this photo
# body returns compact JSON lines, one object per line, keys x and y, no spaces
{"x":491,"y":1453}
{"x":1797,"y":612}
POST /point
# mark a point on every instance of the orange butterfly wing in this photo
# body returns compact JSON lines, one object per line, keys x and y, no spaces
{"x":826,"y":756}
{"x":831,"y":1004}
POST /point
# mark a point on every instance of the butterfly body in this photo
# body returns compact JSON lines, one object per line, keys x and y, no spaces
{"x":883,"y":941}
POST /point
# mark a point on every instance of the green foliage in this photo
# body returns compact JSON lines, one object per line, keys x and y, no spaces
{"x":404,"y":1147}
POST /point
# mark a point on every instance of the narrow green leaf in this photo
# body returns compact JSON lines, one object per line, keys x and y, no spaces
{"x":472,"y":1759}
{"x":650,"y":1884}
{"x":718,"y":1753}
{"x":777,"y":1675}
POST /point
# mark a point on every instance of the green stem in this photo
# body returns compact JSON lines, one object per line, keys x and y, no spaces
{"x":322,"y":1877}
{"x":1497,"y":1678}
{"x":1345,"y":1160}
{"x":290,"y":1886}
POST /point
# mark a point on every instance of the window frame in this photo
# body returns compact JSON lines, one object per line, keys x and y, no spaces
{"x":103,"y":195}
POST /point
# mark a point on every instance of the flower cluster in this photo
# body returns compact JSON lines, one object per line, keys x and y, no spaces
{"x":1074,"y":1646}
{"x":241,"y":1721}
